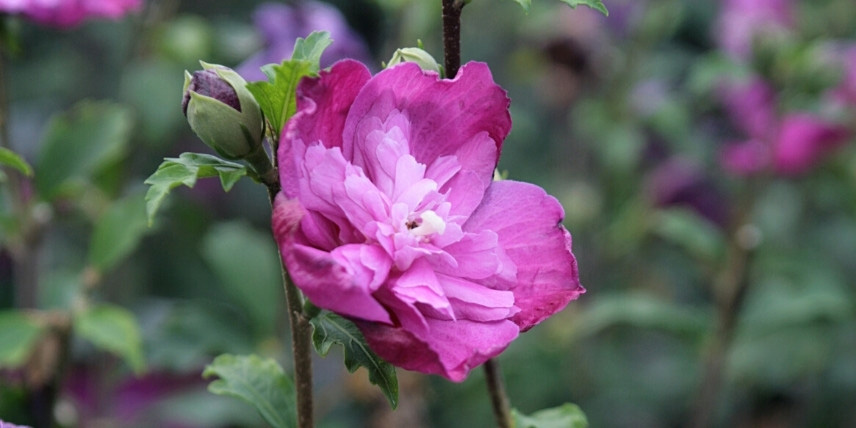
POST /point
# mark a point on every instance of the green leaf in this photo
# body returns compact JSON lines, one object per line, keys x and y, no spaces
{"x":118,"y":232}
{"x":565,"y":416}
{"x":311,"y":48}
{"x":114,"y":329}
{"x":13,"y":160}
{"x":278,"y":97}
{"x":247,"y":263}
{"x":640,"y":311}
{"x":185,"y":170}
{"x":332,"y":329}
{"x":18,"y":335}
{"x":525,"y":4}
{"x":688,"y":230}
{"x":594,"y":4}
{"x":261,"y":383}
{"x":79,"y":142}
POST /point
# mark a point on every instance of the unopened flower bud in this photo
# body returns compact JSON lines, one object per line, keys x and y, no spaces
{"x":222,"y":112}
{"x":417,"y":55}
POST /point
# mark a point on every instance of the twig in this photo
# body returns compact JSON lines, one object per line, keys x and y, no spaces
{"x":452,"y":36}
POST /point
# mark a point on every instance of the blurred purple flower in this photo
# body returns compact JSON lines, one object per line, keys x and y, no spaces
{"x":845,"y":92}
{"x":8,"y":425}
{"x":127,"y":402}
{"x":740,"y":21}
{"x":790,"y":145}
{"x":280,"y":25}
{"x":680,"y":182}
{"x":68,"y":13}
{"x":803,"y":139}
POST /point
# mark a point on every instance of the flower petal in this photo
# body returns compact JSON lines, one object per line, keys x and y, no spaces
{"x":451,"y":350}
{"x":446,"y":116}
{"x":322,"y":106}
{"x":528,"y":223}
{"x":803,"y":140}
{"x":342,"y":280}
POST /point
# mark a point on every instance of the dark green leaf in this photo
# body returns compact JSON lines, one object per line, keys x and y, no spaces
{"x":261,"y":383}
{"x":332,"y":329}
{"x":278,"y":98}
{"x":118,"y":232}
{"x":311,"y":48}
{"x":79,"y":142}
{"x":114,"y":329}
{"x":185,"y":169}
{"x":246,"y":261}
{"x":565,"y":416}
{"x":640,"y":311}
{"x":18,"y":335}
{"x":13,"y":160}
{"x":594,"y":4}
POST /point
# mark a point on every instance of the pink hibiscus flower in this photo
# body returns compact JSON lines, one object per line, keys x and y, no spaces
{"x":68,"y":13}
{"x":389,"y":215}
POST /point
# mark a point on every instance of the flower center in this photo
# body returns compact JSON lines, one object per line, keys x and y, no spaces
{"x":430,"y":223}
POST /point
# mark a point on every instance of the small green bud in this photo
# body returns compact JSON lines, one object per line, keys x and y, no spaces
{"x":417,"y":55}
{"x":222,"y":112}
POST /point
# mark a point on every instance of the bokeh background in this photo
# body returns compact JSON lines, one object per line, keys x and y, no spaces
{"x":690,"y":141}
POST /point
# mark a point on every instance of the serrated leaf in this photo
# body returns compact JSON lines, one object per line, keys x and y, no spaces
{"x":260,"y":383}
{"x":247,"y":264}
{"x":186,"y":169}
{"x":18,"y":335}
{"x":79,"y":142}
{"x":278,"y":98}
{"x":330,"y":329}
{"x":118,"y":232}
{"x":594,"y":4}
{"x":13,"y":160}
{"x":114,"y":329}
{"x":311,"y":48}
{"x":565,"y":416}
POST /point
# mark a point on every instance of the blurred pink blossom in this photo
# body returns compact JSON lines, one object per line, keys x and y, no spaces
{"x":790,"y":145}
{"x":740,"y":21}
{"x":8,"y":425}
{"x":68,"y":13}
{"x":389,"y":215}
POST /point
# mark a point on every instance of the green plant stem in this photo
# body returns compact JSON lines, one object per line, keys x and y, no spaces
{"x":452,"y":36}
{"x":498,"y":397}
{"x":730,"y":289}
{"x":301,"y":332}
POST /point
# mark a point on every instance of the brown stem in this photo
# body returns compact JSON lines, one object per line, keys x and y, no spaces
{"x":300,"y":334}
{"x":730,"y":289}
{"x":452,"y":36}
{"x":498,"y":397}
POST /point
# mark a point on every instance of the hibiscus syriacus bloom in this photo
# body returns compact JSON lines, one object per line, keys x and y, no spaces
{"x":68,"y":13}
{"x":389,"y":216}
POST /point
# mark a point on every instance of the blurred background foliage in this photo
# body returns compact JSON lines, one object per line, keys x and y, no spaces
{"x":623,"y":118}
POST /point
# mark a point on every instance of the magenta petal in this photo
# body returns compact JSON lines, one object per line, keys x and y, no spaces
{"x":528,"y":222}
{"x":446,"y":116}
{"x":451,"y":350}
{"x":322,"y":106}
{"x":342,"y":280}
{"x":803,"y":141}
{"x":745,"y":158}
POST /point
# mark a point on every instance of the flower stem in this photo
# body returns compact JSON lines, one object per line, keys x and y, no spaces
{"x":730,"y":289}
{"x":452,"y":36}
{"x":498,"y":397}
{"x":300,"y":331}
